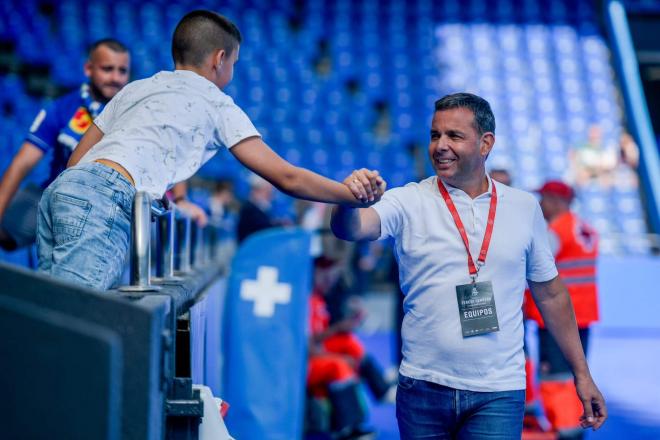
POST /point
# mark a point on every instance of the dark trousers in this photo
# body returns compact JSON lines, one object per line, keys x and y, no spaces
{"x":551,"y":360}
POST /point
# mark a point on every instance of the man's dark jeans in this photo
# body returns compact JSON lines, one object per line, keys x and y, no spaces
{"x":426,"y":410}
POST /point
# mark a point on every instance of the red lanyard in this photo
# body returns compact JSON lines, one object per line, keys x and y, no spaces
{"x":461,"y":229}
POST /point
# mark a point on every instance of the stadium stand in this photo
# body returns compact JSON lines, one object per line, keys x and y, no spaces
{"x":339,"y":85}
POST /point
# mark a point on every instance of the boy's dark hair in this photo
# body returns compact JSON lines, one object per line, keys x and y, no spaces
{"x":110,"y":43}
{"x":201,"y":32}
{"x":484,"y":120}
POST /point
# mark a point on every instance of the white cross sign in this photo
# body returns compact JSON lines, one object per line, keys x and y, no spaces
{"x":265,"y":291}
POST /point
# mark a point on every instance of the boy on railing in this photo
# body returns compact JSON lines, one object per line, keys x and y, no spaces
{"x":157,"y":132}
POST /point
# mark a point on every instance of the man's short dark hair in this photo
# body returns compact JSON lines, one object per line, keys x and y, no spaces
{"x":201,"y":32}
{"x":110,"y":43}
{"x":484,"y":120}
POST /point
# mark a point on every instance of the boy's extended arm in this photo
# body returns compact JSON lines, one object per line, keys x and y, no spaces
{"x":91,"y":137}
{"x":363,"y":188}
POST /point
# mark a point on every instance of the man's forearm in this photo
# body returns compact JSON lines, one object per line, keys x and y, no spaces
{"x":20,"y":166}
{"x":345,"y":222}
{"x":8,"y":187}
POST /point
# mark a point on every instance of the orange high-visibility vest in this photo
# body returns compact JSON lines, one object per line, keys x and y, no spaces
{"x":576,"y":263}
{"x":561,"y":404}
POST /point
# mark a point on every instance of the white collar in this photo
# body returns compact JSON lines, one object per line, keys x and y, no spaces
{"x":452,"y":190}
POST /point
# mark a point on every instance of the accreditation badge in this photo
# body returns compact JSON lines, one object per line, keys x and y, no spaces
{"x":476,"y":306}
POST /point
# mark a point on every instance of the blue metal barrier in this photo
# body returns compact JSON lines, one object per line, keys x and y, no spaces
{"x":636,"y":109}
{"x":84,"y":364}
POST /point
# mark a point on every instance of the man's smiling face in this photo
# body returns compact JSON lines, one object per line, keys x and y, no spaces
{"x":456,"y":149}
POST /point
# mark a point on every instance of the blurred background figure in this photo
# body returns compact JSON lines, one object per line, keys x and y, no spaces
{"x":336,"y":353}
{"x":223,"y":214}
{"x":255,"y":212}
{"x":501,"y":175}
{"x":311,"y":216}
{"x":223,"y":206}
{"x":54,"y":134}
{"x":625,"y":174}
{"x":629,"y":151}
{"x":575,"y":245}
{"x":594,"y":161}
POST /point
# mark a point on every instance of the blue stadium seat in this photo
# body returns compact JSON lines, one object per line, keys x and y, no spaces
{"x":543,"y":66}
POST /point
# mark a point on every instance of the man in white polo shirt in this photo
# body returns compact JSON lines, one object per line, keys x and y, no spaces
{"x":465,"y":246}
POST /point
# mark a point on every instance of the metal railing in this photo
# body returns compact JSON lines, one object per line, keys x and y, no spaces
{"x":185,"y":266}
{"x":152,"y":336}
{"x":180,"y":245}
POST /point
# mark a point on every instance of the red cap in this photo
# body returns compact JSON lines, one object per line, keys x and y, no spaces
{"x":557,"y":188}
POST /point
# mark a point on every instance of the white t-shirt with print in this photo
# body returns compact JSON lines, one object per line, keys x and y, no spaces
{"x":164,"y":128}
{"x":433,"y":261}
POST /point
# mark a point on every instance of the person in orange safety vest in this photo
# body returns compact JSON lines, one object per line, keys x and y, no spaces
{"x":575,"y":245}
{"x":337,"y":359}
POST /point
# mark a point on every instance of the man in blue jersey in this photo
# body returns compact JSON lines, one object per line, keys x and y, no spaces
{"x":56,"y":130}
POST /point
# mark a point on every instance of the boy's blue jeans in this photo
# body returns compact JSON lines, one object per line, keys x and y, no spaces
{"x":83,"y":227}
{"x":426,"y":410}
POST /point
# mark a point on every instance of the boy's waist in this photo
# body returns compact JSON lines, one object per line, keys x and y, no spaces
{"x":115,"y":166}
{"x":141,"y":173}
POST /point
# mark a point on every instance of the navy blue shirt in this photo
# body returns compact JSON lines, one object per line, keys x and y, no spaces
{"x":60,"y":125}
